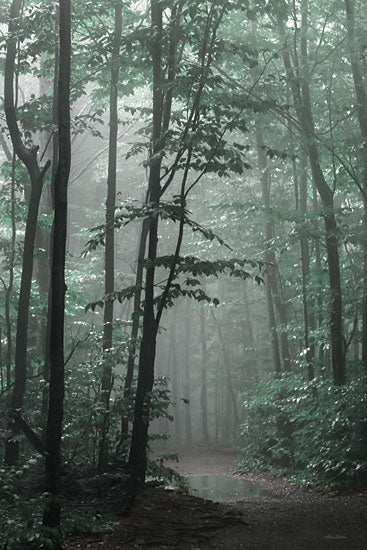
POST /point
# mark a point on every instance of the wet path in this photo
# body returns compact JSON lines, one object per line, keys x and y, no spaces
{"x":289,"y":518}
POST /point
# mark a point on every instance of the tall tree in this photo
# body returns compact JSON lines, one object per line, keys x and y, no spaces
{"x":204,"y":377}
{"x":308,"y":319}
{"x":36,"y":174}
{"x":138,"y":449}
{"x":52,"y":512}
{"x":301,"y":92}
{"x":361,"y":95}
{"x":151,"y":320}
{"x":110,"y":237}
{"x":187,"y":383}
{"x":269,"y":256}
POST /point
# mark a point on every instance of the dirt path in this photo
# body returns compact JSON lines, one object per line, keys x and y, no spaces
{"x":290,"y":518}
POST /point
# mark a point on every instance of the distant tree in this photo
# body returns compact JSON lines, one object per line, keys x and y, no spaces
{"x":298,"y":76}
{"x":204,"y":377}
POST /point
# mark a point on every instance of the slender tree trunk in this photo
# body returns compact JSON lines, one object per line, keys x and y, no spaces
{"x":361,"y":95}
{"x":268,"y":255}
{"x":204,"y":378}
{"x":29,"y":158}
{"x":305,"y":262}
{"x":319,"y":307}
{"x":282,"y":308}
{"x":230,"y":391}
{"x":187,"y":386}
{"x":135,"y":325}
{"x":110,"y":241}
{"x":166,"y":115}
{"x":216,"y":402}
{"x":55,"y":155}
{"x":175,"y":378}
{"x":138,"y":449}
{"x":303,"y":107}
{"x":52,"y":512}
{"x":42,"y":241}
{"x":1,"y":361}
{"x":9,"y":288}
{"x":250,"y":332}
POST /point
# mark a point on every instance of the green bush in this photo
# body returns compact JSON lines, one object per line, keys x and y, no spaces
{"x":313,"y":430}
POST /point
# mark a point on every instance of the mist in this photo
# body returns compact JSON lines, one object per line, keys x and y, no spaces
{"x":183,"y":255}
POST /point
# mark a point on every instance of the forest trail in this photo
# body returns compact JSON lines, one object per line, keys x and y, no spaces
{"x":290,"y":518}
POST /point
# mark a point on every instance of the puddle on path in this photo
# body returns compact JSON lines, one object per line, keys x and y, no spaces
{"x":222,"y":488}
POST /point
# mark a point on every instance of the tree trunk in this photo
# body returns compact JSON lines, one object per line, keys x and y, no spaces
{"x":187,"y":386}
{"x":230,"y":391}
{"x":135,"y":325}
{"x":52,"y":512}
{"x":43,"y":237}
{"x":55,"y":155}
{"x":175,"y":378}
{"x":361,"y":95}
{"x":110,"y":242}
{"x":29,"y":158}
{"x":251,"y":336}
{"x":9,"y":288}
{"x":319,"y":317}
{"x":138,"y":449}
{"x":269,"y":257}
{"x":204,"y":381}
{"x":303,"y":107}
{"x":305,"y":262}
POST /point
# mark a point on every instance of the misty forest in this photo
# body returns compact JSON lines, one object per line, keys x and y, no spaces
{"x":183,"y":290}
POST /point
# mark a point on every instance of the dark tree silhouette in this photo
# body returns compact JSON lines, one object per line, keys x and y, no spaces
{"x":51,"y":517}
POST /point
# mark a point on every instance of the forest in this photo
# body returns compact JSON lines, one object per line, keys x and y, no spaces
{"x":183,"y":240}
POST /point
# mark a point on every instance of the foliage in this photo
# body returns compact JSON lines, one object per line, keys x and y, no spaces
{"x":313,"y":430}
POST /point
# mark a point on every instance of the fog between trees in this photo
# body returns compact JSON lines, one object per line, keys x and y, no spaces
{"x":213,"y":267}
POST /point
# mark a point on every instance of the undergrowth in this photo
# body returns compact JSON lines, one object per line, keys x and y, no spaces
{"x":314,"y":432}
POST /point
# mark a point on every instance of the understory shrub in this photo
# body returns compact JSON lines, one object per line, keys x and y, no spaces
{"x":312,"y":430}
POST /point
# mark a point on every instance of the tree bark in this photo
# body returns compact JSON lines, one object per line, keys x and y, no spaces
{"x":52,"y":512}
{"x":187,"y":386}
{"x":110,"y":241}
{"x":319,"y":306}
{"x":230,"y":391}
{"x":29,"y":159}
{"x":305,"y":262}
{"x":135,"y":325}
{"x":251,"y":338}
{"x":302,"y":103}
{"x":361,"y":95}
{"x":9,"y":288}
{"x":204,"y":381}
{"x":269,"y":258}
{"x":175,"y":378}
{"x":138,"y":448}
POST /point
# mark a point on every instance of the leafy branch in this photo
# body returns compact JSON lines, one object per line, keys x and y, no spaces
{"x":183,"y":265}
{"x":130,"y":212}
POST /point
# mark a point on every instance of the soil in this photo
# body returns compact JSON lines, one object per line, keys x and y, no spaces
{"x":291,"y":517}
